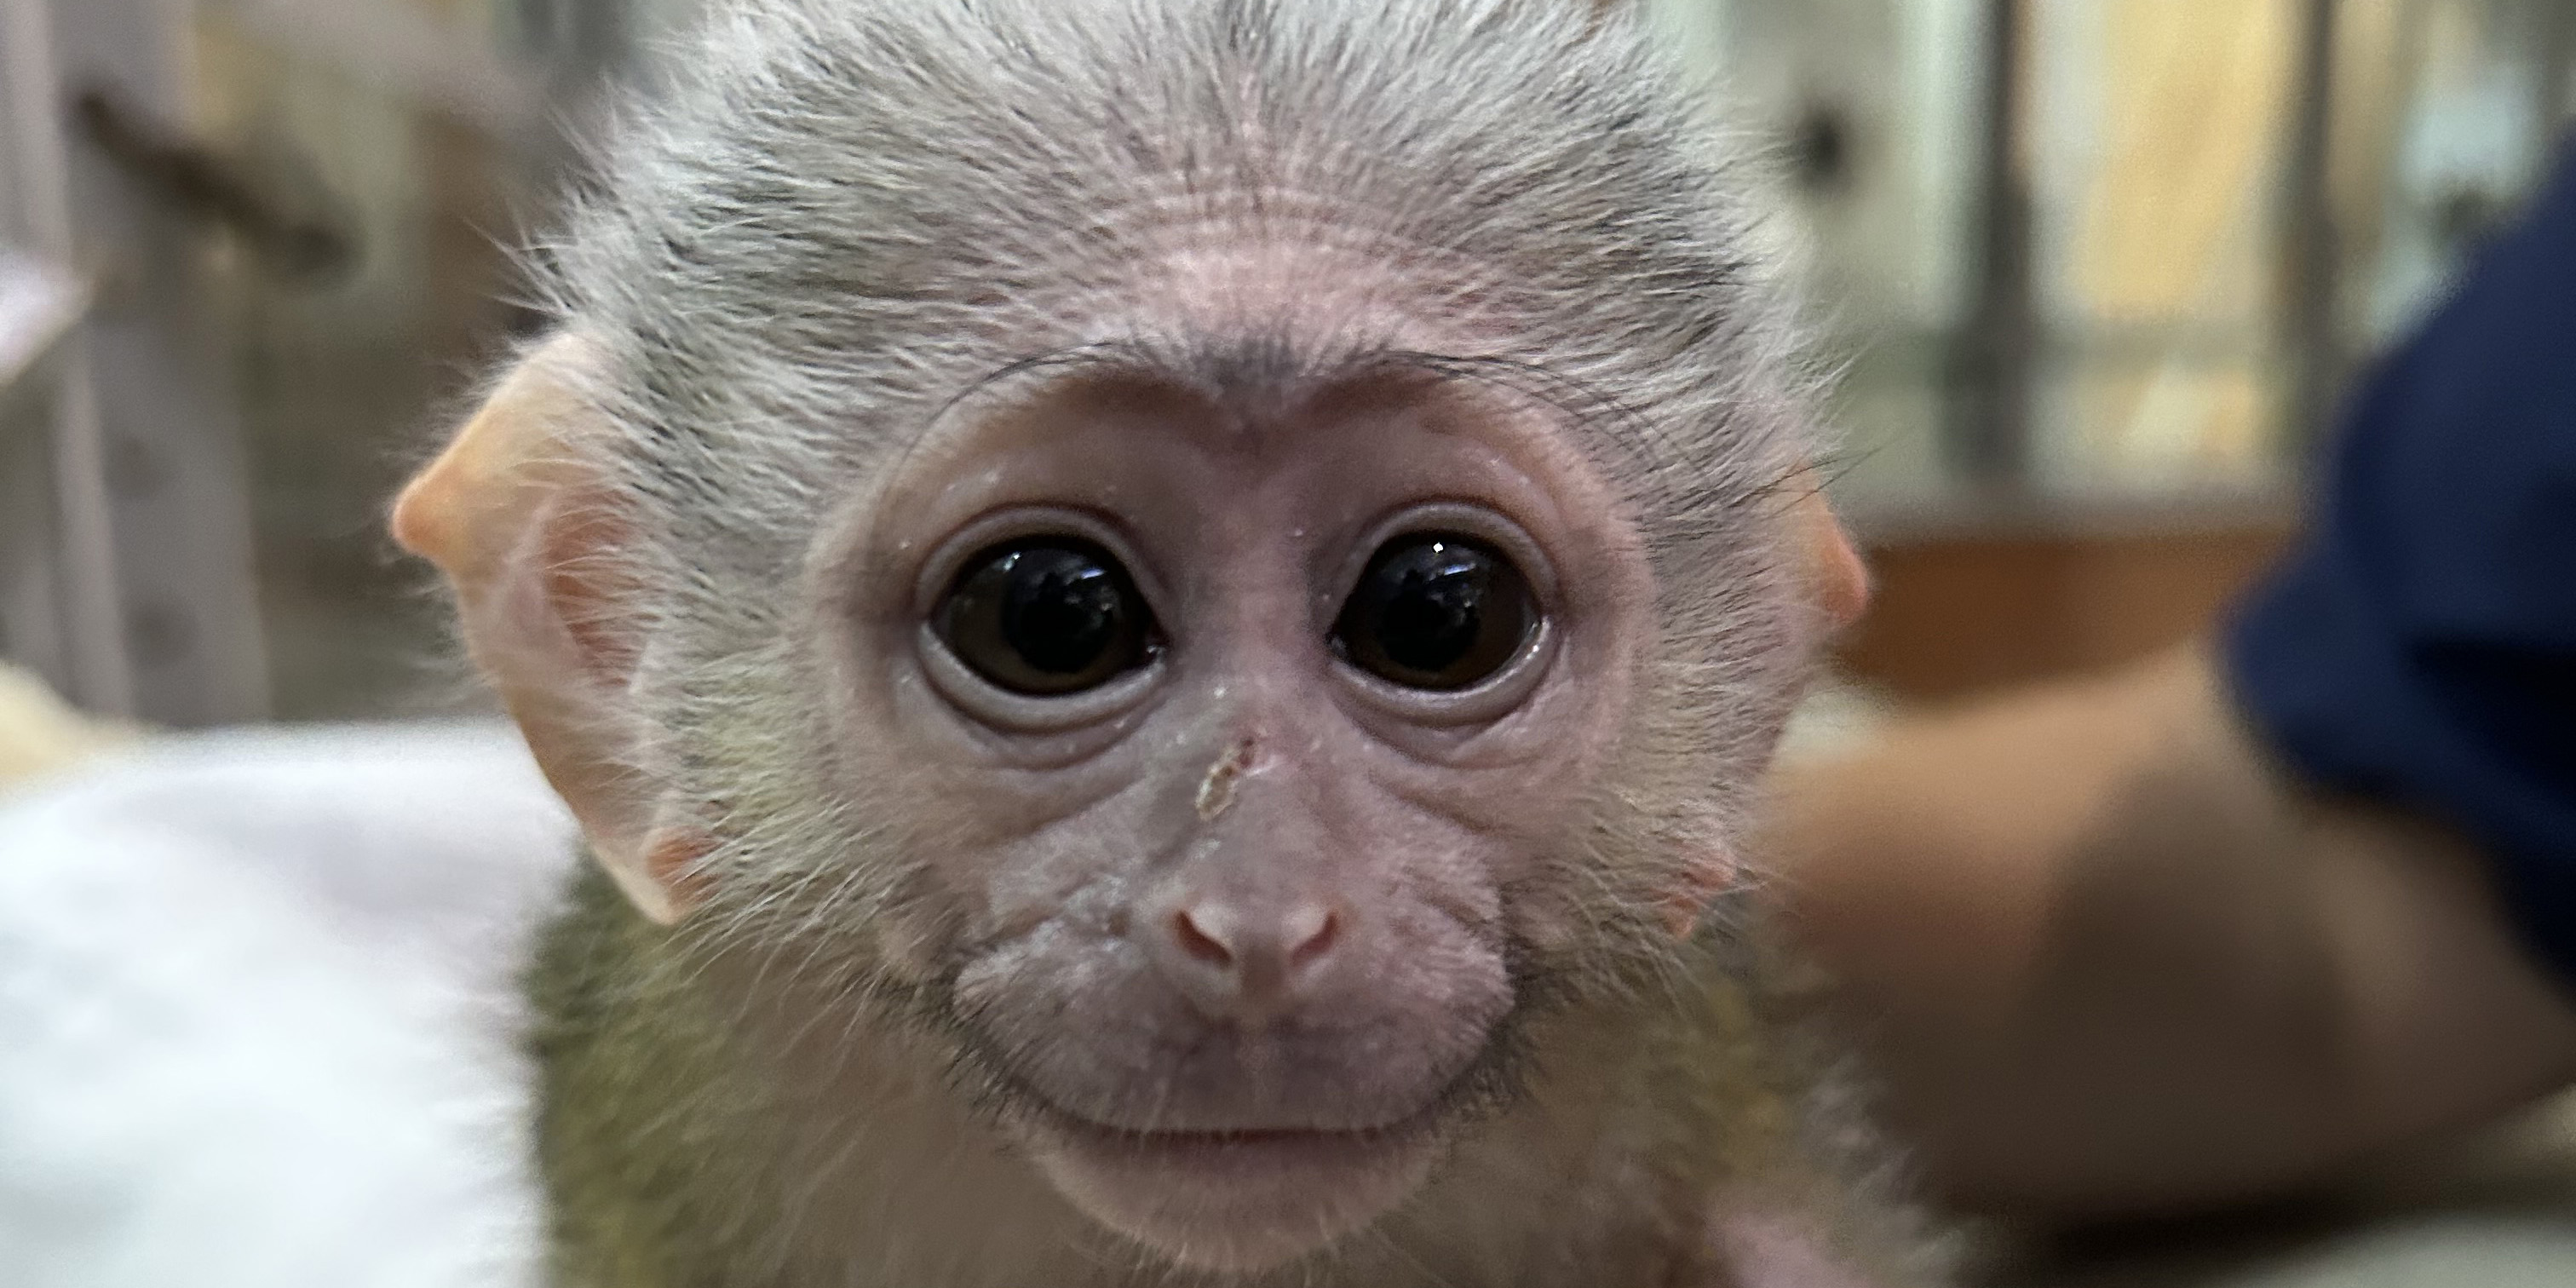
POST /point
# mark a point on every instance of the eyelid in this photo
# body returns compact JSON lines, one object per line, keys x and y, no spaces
{"x":947,"y":560}
{"x":1506,"y":689}
{"x":1465,"y":518}
{"x":989,"y":706}
{"x":954,"y":614}
{"x":1502,"y":572}
{"x":997,"y":708}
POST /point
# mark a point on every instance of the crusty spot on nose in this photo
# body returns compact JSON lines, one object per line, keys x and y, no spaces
{"x":1216,"y":791}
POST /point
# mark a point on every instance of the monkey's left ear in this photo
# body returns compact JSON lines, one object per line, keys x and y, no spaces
{"x":1840,"y":584}
{"x":535,"y":543}
{"x":1835,"y":574}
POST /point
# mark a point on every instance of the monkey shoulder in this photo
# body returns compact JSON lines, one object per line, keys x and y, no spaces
{"x":1747,"y":1110}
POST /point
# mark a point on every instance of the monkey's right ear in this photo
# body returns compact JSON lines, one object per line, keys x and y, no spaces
{"x":535,"y":543}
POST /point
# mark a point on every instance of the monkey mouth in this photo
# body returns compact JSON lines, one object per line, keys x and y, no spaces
{"x":1242,"y":1199}
{"x":1188,"y":1164}
{"x":1484,"y":1086}
{"x":1255,"y":1148}
{"x":1236,"y":1201}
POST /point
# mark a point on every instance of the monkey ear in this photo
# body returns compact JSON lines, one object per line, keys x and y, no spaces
{"x":1840,"y":584}
{"x":1835,"y":573}
{"x":1697,"y":886}
{"x":536,"y":546}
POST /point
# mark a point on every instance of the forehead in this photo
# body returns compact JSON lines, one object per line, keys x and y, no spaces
{"x":1240,"y":383}
{"x":1258,"y":310}
{"x":1249,"y":329}
{"x":1255,"y":434}
{"x":1269,"y":393}
{"x":1260,"y":304}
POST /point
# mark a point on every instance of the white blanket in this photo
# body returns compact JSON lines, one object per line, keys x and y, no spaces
{"x":255,"y":1015}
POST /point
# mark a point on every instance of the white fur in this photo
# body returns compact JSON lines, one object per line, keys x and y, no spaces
{"x":256,"y":1024}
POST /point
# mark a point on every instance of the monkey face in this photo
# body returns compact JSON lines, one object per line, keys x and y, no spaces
{"x":1223,"y":730}
{"x":1224,"y":744}
{"x":1251,"y":720}
{"x":1225,"y":735}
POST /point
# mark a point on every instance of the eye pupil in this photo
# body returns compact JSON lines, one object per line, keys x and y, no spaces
{"x":1436,"y":611}
{"x":1061,"y":609}
{"x":1046,"y":616}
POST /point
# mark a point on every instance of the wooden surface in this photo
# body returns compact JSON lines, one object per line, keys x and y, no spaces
{"x":1961,"y":612}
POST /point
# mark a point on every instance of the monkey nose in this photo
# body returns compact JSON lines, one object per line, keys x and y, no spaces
{"x":1247,"y":962}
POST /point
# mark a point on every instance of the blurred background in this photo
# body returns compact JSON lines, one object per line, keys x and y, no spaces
{"x":2096,"y":272}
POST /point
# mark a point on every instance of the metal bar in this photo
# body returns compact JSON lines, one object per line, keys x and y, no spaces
{"x":98,"y":667}
{"x":40,"y":304}
{"x":407,"y":53}
{"x":1995,"y":368}
{"x":2311,"y":243}
{"x":168,"y":451}
{"x":296,"y":232}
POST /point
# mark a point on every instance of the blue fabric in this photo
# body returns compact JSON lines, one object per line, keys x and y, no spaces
{"x":2420,"y":645}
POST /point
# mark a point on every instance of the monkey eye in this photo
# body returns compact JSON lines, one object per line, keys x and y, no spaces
{"x":1436,"y":611}
{"x":1046,"y":616}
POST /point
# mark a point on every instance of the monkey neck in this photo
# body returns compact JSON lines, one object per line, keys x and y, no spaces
{"x":689,"y":1141}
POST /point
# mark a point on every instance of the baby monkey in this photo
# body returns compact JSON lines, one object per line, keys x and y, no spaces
{"x":1162,"y":617}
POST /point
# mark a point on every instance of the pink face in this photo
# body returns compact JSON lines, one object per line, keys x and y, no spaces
{"x":1253,"y":752}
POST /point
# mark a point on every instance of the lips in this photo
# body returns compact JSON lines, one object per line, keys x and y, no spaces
{"x":1215,"y":1155}
{"x":1234,"y":1201}
{"x":1330,"y":1117}
{"x":1237,"y":1157}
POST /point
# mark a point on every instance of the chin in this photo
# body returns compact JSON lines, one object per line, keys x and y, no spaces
{"x":1235,"y":1202}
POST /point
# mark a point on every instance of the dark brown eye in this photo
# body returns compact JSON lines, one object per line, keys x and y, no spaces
{"x":1046,"y":616}
{"x":1436,"y":611}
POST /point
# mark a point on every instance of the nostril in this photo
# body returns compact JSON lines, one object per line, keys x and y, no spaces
{"x":1231,"y":962}
{"x":1206,"y":943}
{"x":1311,"y":935}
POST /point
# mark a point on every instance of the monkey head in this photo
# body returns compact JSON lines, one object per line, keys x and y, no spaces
{"x":1206,"y":619}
